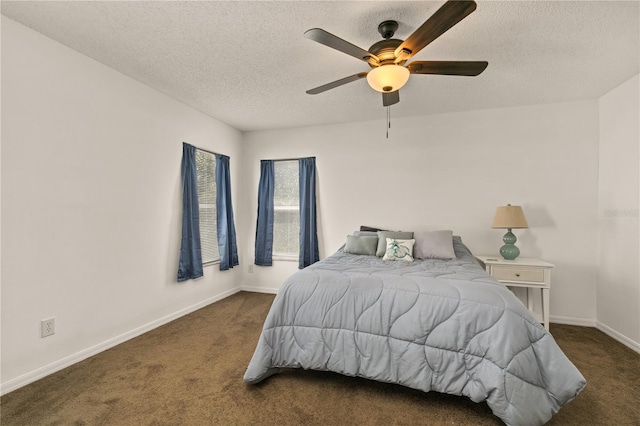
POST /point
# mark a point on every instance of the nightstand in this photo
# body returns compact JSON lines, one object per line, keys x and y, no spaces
{"x":532,"y":274}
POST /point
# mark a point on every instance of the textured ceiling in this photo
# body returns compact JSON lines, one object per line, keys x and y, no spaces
{"x":249,"y":65}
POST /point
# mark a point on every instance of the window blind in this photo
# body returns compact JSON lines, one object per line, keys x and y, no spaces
{"x":206,"y":171}
{"x":286,"y":209}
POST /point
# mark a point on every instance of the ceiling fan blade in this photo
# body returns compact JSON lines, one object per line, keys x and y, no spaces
{"x":468,"y":68}
{"x":390,"y":98}
{"x":328,"y":39}
{"x":440,"y":22}
{"x":336,"y":83}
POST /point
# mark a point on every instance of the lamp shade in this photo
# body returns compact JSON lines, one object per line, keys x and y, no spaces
{"x":388,"y":78}
{"x":509,"y":217}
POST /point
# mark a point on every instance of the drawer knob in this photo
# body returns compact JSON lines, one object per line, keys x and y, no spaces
{"x":517,"y":275}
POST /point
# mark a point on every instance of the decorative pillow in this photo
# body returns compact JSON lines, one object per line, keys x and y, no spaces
{"x":382,"y":239}
{"x":399,"y":250}
{"x":434,"y":245}
{"x":365,"y":233}
{"x":369,"y":228}
{"x":366,"y":244}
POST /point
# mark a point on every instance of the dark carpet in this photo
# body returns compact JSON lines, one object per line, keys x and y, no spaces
{"x":189,"y":372}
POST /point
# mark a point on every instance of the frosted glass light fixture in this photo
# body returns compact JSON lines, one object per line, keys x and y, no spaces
{"x":509,"y":217}
{"x":388,"y":78}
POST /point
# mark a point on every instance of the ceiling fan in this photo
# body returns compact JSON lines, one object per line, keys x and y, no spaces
{"x":387,"y":57}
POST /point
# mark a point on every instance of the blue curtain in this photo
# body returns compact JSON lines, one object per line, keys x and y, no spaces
{"x":225,"y":226}
{"x":190,"y":265}
{"x":264,"y":227}
{"x":308,"y":224}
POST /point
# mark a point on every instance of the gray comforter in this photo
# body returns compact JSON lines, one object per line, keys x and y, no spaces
{"x":430,"y":325}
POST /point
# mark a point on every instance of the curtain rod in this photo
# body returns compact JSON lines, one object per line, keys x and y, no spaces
{"x":279,"y":159}
{"x":290,"y":159}
{"x":206,"y":150}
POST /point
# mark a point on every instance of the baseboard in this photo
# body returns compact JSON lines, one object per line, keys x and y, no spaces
{"x":583,"y":322}
{"x":618,"y":336}
{"x":259,"y":289}
{"x":600,"y":326}
{"x":51,"y":368}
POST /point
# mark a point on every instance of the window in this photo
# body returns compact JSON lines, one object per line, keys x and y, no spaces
{"x":206,"y":172}
{"x":286,"y":209}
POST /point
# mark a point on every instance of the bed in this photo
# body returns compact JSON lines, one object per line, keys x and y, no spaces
{"x":428,"y":324}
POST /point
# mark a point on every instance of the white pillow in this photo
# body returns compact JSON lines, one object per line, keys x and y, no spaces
{"x":399,"y":250}
{"x":434,"y":245}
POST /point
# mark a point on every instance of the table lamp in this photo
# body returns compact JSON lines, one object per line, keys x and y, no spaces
{"x":509,"y":217}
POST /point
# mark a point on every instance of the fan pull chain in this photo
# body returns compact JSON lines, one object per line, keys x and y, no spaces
{"x":388,"y":120}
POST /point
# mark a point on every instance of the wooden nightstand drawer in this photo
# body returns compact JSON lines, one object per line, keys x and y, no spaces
{"x":517,"y":274}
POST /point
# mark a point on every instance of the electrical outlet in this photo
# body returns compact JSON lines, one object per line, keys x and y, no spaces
{"x":47,"y":327}
{"x":251,"y":269}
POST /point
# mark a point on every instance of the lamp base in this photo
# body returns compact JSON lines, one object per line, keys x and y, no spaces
{"x":509,"y":251}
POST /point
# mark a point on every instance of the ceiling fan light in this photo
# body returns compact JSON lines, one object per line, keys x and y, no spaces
{"x":388,"y":78}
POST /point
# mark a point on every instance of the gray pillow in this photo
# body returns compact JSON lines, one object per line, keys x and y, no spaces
{"x":382,"y":239}
{"x":366,"y":233}
{"x":434,"y":245}
{"x":364,"y":244}
{"x":369,"y":228}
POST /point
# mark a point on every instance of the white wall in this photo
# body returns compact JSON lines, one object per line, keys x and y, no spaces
{"x":452,"y":171}
{"x":618,"y":289}
{"x":91,"y":205}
